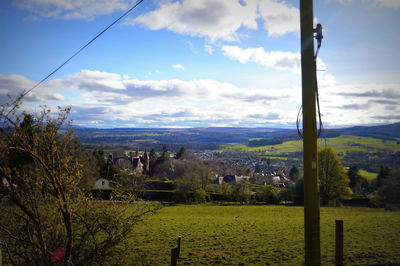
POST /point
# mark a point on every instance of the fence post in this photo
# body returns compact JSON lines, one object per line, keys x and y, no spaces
{"x":179,"y":247}
{"x":339,"y":243}
{"x":175,"y":253}
{"x":174,"y":256}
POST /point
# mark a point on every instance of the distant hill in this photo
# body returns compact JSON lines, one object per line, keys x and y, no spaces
{"x":389,"y":132}
{"x":210,"y":138}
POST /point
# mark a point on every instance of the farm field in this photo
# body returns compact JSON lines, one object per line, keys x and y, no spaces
{"x":262,"y":235}
{"x":367,"y":175}
{"x":343,"y":143}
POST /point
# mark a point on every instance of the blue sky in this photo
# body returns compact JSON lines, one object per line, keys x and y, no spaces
{"x":200,"y":63}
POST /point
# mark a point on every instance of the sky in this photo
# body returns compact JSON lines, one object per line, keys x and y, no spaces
{"x":200,"y":63}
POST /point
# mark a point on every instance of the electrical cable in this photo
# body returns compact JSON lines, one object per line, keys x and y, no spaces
{"x":83,"y":47}
{"x":318,"y":37}
{"x":299,"y":117}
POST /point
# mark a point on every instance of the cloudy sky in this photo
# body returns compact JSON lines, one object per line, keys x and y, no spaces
{"x":201,"y":63}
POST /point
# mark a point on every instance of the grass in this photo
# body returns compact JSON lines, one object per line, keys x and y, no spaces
{"x":343,"y":144}
{"x":262,"y":235}
{"x":367,"y":175}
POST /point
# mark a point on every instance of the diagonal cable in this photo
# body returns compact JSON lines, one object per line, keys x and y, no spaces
{"x":83,"y":47}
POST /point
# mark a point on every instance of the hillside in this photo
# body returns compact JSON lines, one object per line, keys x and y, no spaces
{"x":211,"y":138}
{"x":390,"y":132}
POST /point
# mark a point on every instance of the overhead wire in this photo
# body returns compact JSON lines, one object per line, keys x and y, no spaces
{"x":318,"y":37}
{"x":82,"y":48}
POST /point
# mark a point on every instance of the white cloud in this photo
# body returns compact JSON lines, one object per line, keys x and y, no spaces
{"x":360,"y":104}
{"x":208,"y":49}
{"x":72,"y":9}
{"x":178,"y":66}
{"x":279,"y":18}
{"x":14,"y":85}
{"x":379,"y":3}
{"x":215,"y":19}
{"x":103,"y":86}
{"x":275,"y":59}
{"x":221,"y":19}
{"x":114,"y":100}
{"x":387,"y":3}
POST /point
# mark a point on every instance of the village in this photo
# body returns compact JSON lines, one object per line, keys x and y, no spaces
{"x":207,"y":172}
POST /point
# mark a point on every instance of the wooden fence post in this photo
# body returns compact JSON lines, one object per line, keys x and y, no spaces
{"x":174,"y":256}
{"x":175,"y":253}
{"x":339,"y":243}
{"x":179,"y":247}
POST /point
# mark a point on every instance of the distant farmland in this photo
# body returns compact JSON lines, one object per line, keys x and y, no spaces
{"x":262,"y":235}
{"x":341,"y":144}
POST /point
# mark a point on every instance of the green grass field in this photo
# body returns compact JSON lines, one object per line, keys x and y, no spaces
{"x":262,"y":235}
{"x":343,"y":143}
{"x":367,"y":175}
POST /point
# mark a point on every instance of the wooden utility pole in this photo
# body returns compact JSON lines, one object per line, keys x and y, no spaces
{"x":311,"y":191}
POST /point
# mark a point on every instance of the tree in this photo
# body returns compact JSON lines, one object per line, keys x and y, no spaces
{"x":269,"y":194}
{"x":390,"y":188}
{"x":358,"y":184}
{"x":298,"y":192}
{"x":294,"y":173}
{"x":383,"y":174}
{"x":241,"y":191}
{"x":162,"y":166}
{"x":46,"y":215}
{"x":181,"y":154}
{"x":152,"y":162}
{"x":195,"y":179}
{"x":334,"y":183}
{"x":225,"y":189}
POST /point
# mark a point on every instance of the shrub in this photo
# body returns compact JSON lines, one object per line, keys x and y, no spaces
{"x":269,"y":194}
{"x":200,"y":195}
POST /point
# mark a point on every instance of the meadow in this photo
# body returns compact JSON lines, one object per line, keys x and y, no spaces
{"x":262,"y":235}
{"x":341,"y":144}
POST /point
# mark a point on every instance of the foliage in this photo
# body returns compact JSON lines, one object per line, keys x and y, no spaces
{"x":162,"y":165}
{"x":358,"y":184}
{"x":105,"y":168}
{"x":334,"y":183}
{"x":263,"y":142}
{"x":45,"y":209}
{"x":196,"y":177}
{"x":269,"y":194}
{"x":181,"y":154}
{"x":294,"y":173}
{"x":298,"y":192}
{"x":390,"y":188}
{"x":383,"y":174}
{"x":241,"y":191}
{"x":225,"y":189}
{"x":287,"y":193}
{"x":200,"y":195}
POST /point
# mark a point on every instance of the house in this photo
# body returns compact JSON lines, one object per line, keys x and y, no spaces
{"x":102,"y":183}
{"x":230,"y":179}
{"x":132,"y":163}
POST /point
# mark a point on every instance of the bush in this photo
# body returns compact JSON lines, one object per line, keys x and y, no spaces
{"x":376,"y":201}
{"x":269,"y":194}
{"x":46,"y":215}
{"x":200,"y":195}
{"x":241,"y":191}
